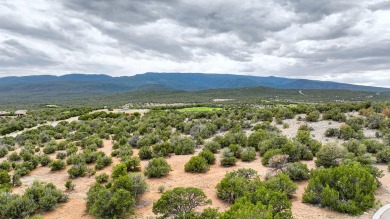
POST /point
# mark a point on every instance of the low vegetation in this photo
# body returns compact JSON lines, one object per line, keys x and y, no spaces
{"x":345,"y":175}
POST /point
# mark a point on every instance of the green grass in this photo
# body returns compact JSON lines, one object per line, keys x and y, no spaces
{"x":191,"y":109}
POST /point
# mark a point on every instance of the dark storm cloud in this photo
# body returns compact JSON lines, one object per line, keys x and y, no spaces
{"x":319,"y":39}
{"x":13,"y":53}
{"x":385,"y":5}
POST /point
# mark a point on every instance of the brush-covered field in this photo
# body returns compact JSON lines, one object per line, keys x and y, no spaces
{"x":297,"y":161}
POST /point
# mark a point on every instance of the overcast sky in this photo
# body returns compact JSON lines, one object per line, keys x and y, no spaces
{"x":338,"y":40}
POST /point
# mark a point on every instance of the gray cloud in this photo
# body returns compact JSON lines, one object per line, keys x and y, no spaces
{"x":322,"y":39}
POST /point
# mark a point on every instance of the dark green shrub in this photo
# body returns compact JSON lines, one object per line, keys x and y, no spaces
{"x":213,"y":146}
{"x":180,"y":202}
{"x":5,"y":179}
{"x":277,"y":200}
{"x":119,"y":170}
{"x":184,"y":146}
{"x":133,"y":164}
{"x":5,"y":165}
{"x":262,"y":202}
{"x":15,"y":206}
{"x":44,"y":160}
{"x":77,"y":170}
{"x":236,"y":183}
{"x":269,"y":154}
{"x":162,"y":150}
{"x":75,"y":159}
{"x":356,"y":147}
{"x":157,"y":167}
{"x":236,"y":149}
{"x":14,"y":156}
{"x":332,"y":132}
{"x":330,"y":155}
{"x":256,"y":137}
{"x":103,"y":161}
{"x":101,"y":178}
{"x":16,"y":179}
{"x":107,"y":203}
{"x":125,"y":151}
{"x":313,"y":116}
{"x":248,"y":154}
{"x":3,"y":151}
{"x":373,"y":146}
{"x":71,"y":150}
{"x":209,"y":213}
{"x":384,"y":155}
{"x":197,"y":164}
{"x":228,"y":158}
{"x":50,"y":148}
{"x":281,"y":183}
{"x":61,"y":156}
{"x":356,"y":123}
{"x":228,"y":161}
{"x":348,"y":188}
{"x":145,"y":153}
{"x":45,"y":195}
{"x":69,"y":185}
{"x":57,"y":165}
{"x":208,"y":155}
{"x":133,"y":183}
{"x":245,"y":209}
{"x":347,"y":132}
{"x":297,"y":171}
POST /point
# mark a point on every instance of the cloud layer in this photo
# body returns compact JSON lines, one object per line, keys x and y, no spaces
{"x":345,"y":41}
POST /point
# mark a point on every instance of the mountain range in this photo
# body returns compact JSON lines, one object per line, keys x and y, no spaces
{"x":98,"y":84}
{"x":80,"y":89}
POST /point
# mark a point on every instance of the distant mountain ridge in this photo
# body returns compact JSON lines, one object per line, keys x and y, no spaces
{"x":98,"y":83}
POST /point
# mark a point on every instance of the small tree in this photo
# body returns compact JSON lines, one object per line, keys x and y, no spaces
{"x":134,"y":183}
{"x":228,"y":158}
{"x":347,"y":188}
{"x":44,"y":160}
{"x":313,"y":116}
{"x":184,"y":146}
{"x":278,"y":163}
{"x":248,"y":154}
{"x":236,"y":183}
{"x":197,"y":164}
{"x":281,"y":183}
{"x":77,"y":170}
{"x":145,"y":153}
{"x":208,"y":155}
{"x":157,"y":167}
{"x":102,"y":178}
{"x":297,"y":171}
{"x":213,"y":146}
{"x":69,"y":185}
{"x":330,"y":155}
{"x":133,"y":164}
{"x":180,"y":202}
{"x":119,"y":170}
{"x":57,"y":165}
{"x":236,"y":149}
{"x":107,"y":203}
{"x":269,"y":154}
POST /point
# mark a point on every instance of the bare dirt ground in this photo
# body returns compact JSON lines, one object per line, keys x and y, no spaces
{"x":76,"y":205}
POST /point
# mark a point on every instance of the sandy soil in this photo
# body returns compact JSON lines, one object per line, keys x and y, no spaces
{"x":319,"y":129}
